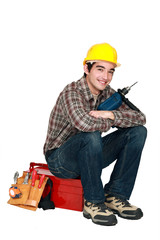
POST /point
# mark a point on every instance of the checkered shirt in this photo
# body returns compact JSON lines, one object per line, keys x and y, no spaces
{"x":70,"y":114}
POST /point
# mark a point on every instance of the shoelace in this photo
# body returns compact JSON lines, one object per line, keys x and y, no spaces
{"x":99,"y":206}
{"x":103,"y":207}
{"x":123,"y":202}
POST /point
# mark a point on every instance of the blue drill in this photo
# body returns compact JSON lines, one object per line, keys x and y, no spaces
{"x":115,"y":101}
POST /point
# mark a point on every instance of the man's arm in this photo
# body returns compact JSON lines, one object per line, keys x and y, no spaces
{"x":126,"y":117}
{"x":76,"y":112}
{"x":102,"y":114}
{"x":123,"y":117}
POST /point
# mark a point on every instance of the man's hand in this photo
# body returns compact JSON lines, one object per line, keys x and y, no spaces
{"x":102,"y":114}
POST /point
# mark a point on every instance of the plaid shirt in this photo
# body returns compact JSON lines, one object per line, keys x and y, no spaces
{"x":70,"y":115}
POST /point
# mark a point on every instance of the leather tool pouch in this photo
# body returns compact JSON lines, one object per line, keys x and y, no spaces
{"x":31,"y":195}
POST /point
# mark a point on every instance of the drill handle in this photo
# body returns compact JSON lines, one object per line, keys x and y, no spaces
{"x":131,"y":105}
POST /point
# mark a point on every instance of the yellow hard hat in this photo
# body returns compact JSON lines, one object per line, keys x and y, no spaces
{"x":102,"y":52}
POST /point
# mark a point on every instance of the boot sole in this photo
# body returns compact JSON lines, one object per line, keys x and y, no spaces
{"x":111,"y":222}
{"x":137,"y":216}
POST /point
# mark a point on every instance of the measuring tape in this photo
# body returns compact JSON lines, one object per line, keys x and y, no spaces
{"x":14,"y":192}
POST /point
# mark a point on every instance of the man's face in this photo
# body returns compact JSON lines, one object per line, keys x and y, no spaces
{"x":99,"y":76}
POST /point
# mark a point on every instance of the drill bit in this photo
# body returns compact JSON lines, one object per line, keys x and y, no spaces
{"x":133,"y":85}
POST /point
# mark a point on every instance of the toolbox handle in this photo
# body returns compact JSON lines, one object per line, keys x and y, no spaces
{"x":33,"y":164}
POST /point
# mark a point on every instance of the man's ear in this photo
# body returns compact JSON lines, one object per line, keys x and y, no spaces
{"x":86,"y":69}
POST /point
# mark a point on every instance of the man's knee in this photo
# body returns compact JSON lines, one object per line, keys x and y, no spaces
{"x":141,"y":131}
{"x":92,"y":138}
{"x":139,"y":134}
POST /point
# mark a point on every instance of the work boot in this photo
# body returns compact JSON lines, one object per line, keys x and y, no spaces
{"x":99,"y":213}
{"x":123,"y":208}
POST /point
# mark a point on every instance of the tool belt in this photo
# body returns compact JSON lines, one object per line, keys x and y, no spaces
{"x":27,"y":195}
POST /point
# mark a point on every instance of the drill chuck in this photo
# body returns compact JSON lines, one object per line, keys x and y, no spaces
{"x":125,"y":90}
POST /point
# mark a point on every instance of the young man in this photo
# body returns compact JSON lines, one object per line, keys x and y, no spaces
{"x":74,"y":146}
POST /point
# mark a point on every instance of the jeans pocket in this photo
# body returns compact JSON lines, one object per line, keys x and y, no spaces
{"x":59,"y":168}
{"x":61,"y":172}
{"x":55,"y":171}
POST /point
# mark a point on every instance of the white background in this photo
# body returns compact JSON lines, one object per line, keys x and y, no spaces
{"x":42,"y":47}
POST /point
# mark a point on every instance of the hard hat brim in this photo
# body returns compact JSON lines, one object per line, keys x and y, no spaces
{"x":92,"y":61}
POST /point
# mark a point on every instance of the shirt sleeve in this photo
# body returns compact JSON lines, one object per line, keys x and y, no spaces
{"x":78,"y":115}
{"x":126,"y":117}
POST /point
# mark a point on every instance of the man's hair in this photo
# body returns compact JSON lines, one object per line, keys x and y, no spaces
{"x":89,"y":65}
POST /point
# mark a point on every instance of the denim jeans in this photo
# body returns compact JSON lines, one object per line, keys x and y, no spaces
{"x":87,"y":153}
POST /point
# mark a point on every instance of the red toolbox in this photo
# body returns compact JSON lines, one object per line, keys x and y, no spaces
{"x":66,"y":193}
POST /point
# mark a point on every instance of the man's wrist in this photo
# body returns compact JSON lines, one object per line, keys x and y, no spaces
{"x":112,"y":117}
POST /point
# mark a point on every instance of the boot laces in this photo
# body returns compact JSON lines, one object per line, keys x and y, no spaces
{"x":100,"y":207}
{"x":123,"y":202}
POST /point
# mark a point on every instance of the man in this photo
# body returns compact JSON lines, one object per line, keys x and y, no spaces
{"x":74,"y":145}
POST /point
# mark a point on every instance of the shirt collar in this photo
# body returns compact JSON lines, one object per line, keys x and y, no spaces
{"x":83,"y":86}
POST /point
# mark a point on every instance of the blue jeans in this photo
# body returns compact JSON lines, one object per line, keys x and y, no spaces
{"x":87,"y":153}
